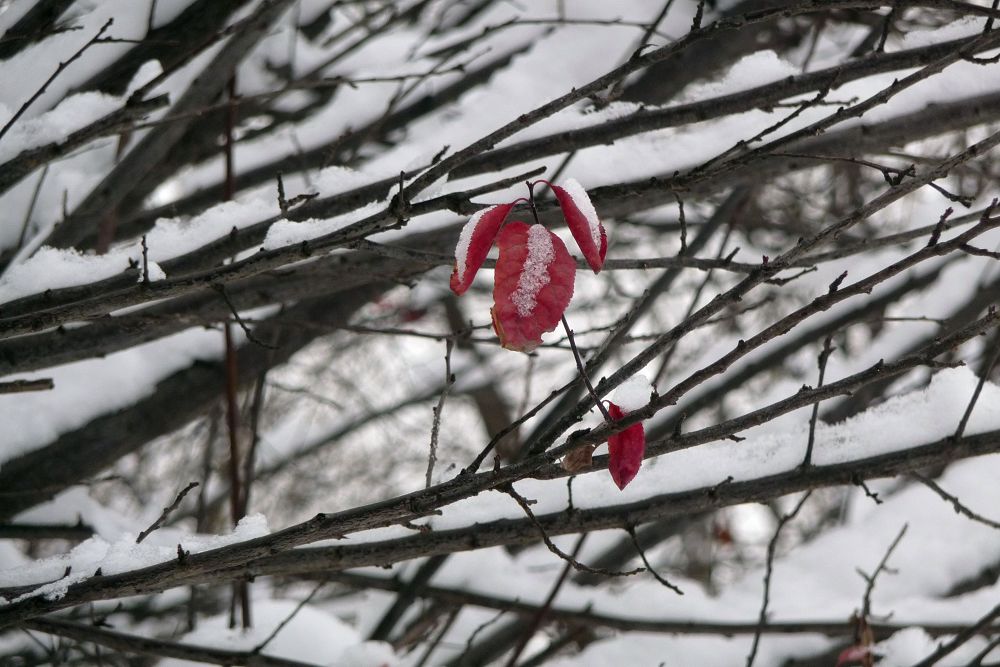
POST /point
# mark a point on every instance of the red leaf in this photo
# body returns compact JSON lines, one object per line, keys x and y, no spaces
{"x":625,"y":449}
{"x":583,"y":222}
{"x":853,"y":654}
{"x":533,"y":285}
{"x":474,"y":244}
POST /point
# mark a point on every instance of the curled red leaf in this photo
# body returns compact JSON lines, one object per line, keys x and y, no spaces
{"x":625,"y":449}
{"x":533,"y":284}
{"x":474,"y":244}
{"x":581,"y":217}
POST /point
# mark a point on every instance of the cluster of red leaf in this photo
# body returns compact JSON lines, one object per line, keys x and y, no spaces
{"x":533,"y":285}
{"x":534,"y":277}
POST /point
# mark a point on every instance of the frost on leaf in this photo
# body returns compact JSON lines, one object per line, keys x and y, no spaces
{"x":625,"y":449}
{"x":474,"y":244}
{"x":581,"y":217}
{"x":533,"y":285}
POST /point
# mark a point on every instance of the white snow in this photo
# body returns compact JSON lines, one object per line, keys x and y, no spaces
{"x":815,"y":580}
{"x":52,"y":268}
{"x":72,"y":114}
{"x":582,"y":201}
{"x":632,"y":394}
{"x":119,"y":556}
{"x":312,"y":635}
{"x":87,"y":389}
{"x":148,"y":71}
{"x":465,"y":238}
{"x":750,"y":71}
{"x":910,"y":646}
{"x":535,"y":274}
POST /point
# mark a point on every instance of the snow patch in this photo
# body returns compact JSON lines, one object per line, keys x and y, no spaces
{"x":582,"y":201}
{"x":148,"y":71}
{"x":311,"y":635}
{"x":535,"y":274}
{"x":465,"y":240}
{"x":52,"y":268}
{"x":633,"y":393}
{"x":155,"y":272}
{"x":74,"y":113}
{"x":756,"y":69}
{"x":122,"y":555}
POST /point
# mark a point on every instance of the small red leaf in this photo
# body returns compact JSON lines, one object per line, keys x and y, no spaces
{"x":533,"y":284}
{"x":583,"y":222}
{"x":853,"y":654}
{"x":474,"y":244}
{"x":625,"y":449}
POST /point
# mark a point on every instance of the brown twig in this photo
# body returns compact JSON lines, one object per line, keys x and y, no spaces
{"x":540,"y":615}
{"x":987,"y":369}
{"x":955,"y":502}
{"x":449,"y":380}
{"x":59,"y":70}
{"x":768,"y":571}
{"x":166,"y":512}
{"x":866,"y":601}
{"x":582,"y":369}
{"x":259,"y":648}
{"x":21,"y":386}
{"x":961,"y":638}
{"x":649,"y":567}
{"x":580,"y":567}
{"x":824,"y":355}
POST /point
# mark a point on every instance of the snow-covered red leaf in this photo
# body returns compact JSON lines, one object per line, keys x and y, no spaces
{"x":533,"y":284}
{"x":581,"y":217}
{"x":625,"y":449}
{"x":474,"y":244}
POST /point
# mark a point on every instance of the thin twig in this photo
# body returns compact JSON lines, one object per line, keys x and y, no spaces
{"x":145,"y":262}
{"x":59,"y":70}
{"x":824,"y":355}
{"x":771,"y":548}
{"x":481,"y":628}
{"x":960,"y":638}
{"x":288,"y":619}
{"x":866,"y":604}
{"x":449,"y":380}
{"x":543,"y":611}
{"x":955,"y":502}
{"x":166,"y":512}
{"x":21,"y":386}
{"x":886,"y":27}
{"x":994,"y":355}
{"x":858,"y":481}
{"x":432,"y":646}
{"x":682,"y":221}
{"x":31,"y":207}
{"x":583,"y":371}
{"x":642,"y":554}
{"x":526,"y":507}
{"x":221,"y":289}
